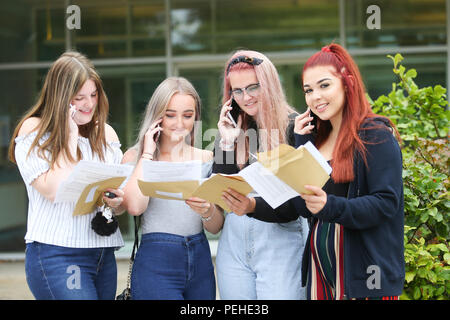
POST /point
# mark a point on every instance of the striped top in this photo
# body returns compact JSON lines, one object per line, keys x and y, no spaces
{"x":53,"y":223}
{"x":326,"y":246}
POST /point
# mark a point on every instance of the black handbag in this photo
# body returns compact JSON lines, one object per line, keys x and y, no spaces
{"x":126,"y":293}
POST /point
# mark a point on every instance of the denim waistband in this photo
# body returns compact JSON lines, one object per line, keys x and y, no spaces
{"x":175,"y":238}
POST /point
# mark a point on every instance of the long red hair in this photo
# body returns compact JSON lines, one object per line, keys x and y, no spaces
{"x":356,"y":110}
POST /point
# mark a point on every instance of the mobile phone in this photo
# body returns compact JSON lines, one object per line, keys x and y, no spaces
{"x":73,"y":109}
{"x":313,"y":121}
{"x":110,"y":195}
{"x":233,"y":114}
{"x":156,"y":136}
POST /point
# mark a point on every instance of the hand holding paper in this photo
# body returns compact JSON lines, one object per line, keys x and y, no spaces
{"x":315,"y":201}
{"x":88,"y":181}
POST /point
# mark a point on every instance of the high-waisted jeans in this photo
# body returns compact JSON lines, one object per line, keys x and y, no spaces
{"x":260,"y":260}
{"x":173,"y":267}
{"x":62,"y":273}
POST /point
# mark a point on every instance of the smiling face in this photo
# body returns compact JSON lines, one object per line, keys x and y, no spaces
{"x":243,"y":79}
{"x":324,"y":92}
{"x":85,"y":102}
{"x":179,"y":118}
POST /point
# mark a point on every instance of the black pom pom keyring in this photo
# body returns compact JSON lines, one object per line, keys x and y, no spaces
{"x":105,"y":222}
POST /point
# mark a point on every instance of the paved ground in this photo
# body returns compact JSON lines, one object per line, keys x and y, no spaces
{"x":13,"y":285}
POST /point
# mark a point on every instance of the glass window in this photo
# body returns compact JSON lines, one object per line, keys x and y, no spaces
{"x":402,"y":23}
{"x":33,"y":31}
{"x":148,"y":29}
{"x":222,"y":26}
{"x":18,"y":92}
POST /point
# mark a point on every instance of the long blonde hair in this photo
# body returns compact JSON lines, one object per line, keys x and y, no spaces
{"x":157,"y":106}
{"x":64,"y":80}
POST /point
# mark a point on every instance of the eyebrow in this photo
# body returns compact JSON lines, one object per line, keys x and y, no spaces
{"x":82,"y":95}
{"x":252,"y":84}
{"x":321,"y":80}
{"x":170,"y":110}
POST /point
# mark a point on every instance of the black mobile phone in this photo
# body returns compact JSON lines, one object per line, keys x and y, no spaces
{"x":233,"y":114}
{"x":110,"y":195}
{"x":313,"y":121}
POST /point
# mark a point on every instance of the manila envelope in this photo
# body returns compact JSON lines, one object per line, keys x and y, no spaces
{"x":91,"y":197}
{"x":173,"y":190}
{"x":211,"y":190}
{"x":295,"y":167}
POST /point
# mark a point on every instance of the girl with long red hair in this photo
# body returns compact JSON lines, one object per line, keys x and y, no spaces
{"x":355,"y":246}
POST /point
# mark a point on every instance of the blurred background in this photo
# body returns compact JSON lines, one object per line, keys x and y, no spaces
{"x":135,"y":44}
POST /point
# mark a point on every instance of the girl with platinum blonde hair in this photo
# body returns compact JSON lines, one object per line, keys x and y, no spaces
{"x":66,"y":124}
{"x":174,"y":246}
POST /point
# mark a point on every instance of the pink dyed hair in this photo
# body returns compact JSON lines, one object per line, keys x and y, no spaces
{"x":275,"y":110}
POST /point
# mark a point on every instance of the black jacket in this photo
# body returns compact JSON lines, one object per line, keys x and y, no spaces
{"x":372,"y":216}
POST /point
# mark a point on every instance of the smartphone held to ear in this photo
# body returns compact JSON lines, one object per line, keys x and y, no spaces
{"x":233,"y":114}
{"x":73,"y":110}
{"x":156,"y":135}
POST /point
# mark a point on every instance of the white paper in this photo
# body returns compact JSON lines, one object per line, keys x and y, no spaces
{"x":87,"y":172}
{"x":267,"y":185}
{"x":165,"y":171}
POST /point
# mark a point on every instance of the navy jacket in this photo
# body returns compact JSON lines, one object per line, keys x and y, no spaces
{"x":372,"y":216}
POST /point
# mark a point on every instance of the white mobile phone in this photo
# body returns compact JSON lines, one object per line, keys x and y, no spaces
{"x":73,"y":110}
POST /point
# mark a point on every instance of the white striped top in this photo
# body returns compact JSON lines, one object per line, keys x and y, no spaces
{"x":53,"y":223}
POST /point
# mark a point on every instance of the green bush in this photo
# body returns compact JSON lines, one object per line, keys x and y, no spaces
{"x":422,"y":118}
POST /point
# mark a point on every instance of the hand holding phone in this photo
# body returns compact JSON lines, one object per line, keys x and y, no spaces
{"x":305,"y":123}
{"x":233,"y":114}
{"x":73,"y":110}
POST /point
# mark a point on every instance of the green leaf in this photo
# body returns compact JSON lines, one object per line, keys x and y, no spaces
{"x":447,"y":258}
{"x":411,"y":73}
{"x":409,"y":276}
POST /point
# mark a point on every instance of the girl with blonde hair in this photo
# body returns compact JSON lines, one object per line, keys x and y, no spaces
{"x":173,"y":261}
{"x":65,"y":258}
{"x":259,"y":253}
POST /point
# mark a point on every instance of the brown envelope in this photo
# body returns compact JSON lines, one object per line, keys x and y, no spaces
{"x":176,"y":190}
{"x":211,"y":190}
{"x":295,"y":167}
{"x":82,"y":207}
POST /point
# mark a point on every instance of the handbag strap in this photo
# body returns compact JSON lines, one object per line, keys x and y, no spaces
{"x":135,"y":246}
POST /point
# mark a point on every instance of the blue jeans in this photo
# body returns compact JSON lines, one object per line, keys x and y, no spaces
{"x":260,"y":260}
{"x":61,"y":273}
{"x":172,"y":267}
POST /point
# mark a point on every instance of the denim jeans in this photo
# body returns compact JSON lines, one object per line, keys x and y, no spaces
{"x":260,"y":260}
{"x":60,"y":273}
{"x":173,"y":267}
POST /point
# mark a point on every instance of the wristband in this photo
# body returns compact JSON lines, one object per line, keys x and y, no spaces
{"x":147,"y":155}
{"x":226,"y":146}
{"x":207,"y":218}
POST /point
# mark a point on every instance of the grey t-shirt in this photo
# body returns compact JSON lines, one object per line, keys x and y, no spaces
{"x":173,"y":216}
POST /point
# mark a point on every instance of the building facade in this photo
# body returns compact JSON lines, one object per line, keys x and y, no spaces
{"x":135,"y":44}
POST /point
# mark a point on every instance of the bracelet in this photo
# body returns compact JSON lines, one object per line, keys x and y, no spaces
{"x":226,"y":146}
{"x":206,"y":219}
{"x":147,"y":155}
